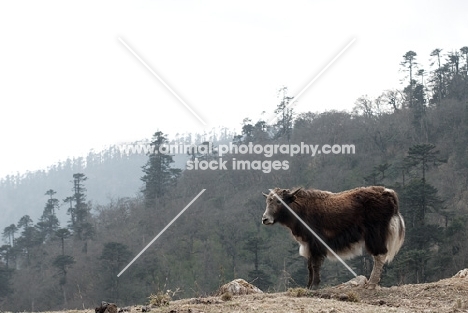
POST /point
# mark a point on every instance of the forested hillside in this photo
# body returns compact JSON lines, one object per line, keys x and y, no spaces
{"x":24,"y":194}
{"x":412,"y":140}
{"x":113,"y":173}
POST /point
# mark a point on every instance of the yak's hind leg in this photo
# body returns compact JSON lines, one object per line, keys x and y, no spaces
{"x":384,"y":245}
{"x":374,"y":279}
{"x":313,"y":265}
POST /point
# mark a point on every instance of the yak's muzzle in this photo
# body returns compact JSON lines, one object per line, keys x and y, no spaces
{"x":267,"y":220}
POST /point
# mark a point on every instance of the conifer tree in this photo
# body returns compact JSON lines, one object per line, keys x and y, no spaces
{"x":438,"y":74}
{"x":418,"y":198}
{"x":409,"y":62}
{"x":29,"y":238}
{"x":158,"y":176}
{"x":114,"y":257}
{"x":63,"y":264}
{"x":9,"y":233}
{"x":80,"y":224}
{"x":49,"y":223}
{"x":284,"y":114}
{"x":62,"y":234}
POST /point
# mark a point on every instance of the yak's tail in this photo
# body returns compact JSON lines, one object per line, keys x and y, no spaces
{"x":396,"y":236}
{"x":396,"y":229}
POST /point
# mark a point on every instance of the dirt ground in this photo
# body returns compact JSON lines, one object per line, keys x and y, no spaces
{"x":447,"y":295}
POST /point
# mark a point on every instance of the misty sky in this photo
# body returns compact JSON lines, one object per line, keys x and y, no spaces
{"x":68,"y":84}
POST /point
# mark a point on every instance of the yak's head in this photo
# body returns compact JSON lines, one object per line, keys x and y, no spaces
{"x":274,"y":206}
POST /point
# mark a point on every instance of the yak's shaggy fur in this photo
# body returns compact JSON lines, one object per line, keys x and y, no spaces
{"x":350,"y":221}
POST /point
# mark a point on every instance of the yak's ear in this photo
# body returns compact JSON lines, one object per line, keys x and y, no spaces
{"x":265,"y":195}
{"x":289,"y":196}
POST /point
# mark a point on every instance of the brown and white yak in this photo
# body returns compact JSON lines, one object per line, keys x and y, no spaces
{"x":348,"y":222}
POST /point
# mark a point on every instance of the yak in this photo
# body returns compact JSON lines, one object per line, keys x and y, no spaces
{"x":348,"y":222}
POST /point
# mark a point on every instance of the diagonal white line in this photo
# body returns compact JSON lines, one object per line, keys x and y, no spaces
{"x":314,"y":233}
{"x":161,"y":80}
{"x":316,"y":77}
{"x":161,"y":232}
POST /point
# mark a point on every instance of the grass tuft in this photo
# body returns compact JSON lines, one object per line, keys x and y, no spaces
{"x":227,"y":296}
{"x":353,"y":297}
{"x":160,"y":299}
{"x":299,"y":292}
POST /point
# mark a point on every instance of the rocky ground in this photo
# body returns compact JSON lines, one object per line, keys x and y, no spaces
{"x":447,"y":295}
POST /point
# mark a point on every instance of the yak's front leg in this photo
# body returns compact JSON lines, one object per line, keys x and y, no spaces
{"x":311,"y":272}
{"x":314,"y":264}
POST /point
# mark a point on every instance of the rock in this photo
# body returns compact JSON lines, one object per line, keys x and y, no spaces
{"x":358,"y":281}
{"x":111,"y":308}
{"x":238,"y":287}
{"x":461,"y":274}
{"x":106,"y":308}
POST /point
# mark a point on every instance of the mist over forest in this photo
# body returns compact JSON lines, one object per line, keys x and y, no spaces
{"x":69,"y":230}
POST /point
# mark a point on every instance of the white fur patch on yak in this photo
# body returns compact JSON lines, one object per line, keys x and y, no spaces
{"x":395,"y":240}
{"x":303,"y":247}
{"x":354,"y":249}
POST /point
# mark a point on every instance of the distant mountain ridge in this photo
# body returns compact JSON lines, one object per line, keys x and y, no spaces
{"x":110,"y":174}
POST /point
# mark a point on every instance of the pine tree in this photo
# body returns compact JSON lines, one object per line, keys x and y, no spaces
{"x":30,"y":237}
{"x":418,"y":198}
{"x":256,"y":244}
{"x":159,"y":175}
{"x":409,"y":62}
{"x":285,"y":115}
{"x":9,"y":233}
{"x":114,"y":257}
{"x":62,"y":234}
{"x":80,"y":225}
{"x":63,"y":263}
{"x":49,"y":223}
{"x":438,"y":75}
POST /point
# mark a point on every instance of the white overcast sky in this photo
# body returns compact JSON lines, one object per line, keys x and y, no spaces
{"x":68,"y":85}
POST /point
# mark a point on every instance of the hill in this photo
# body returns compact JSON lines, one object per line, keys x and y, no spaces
{"x":112,"y":174}
{"x":409,"y":141}
{"x":446,"y":295}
